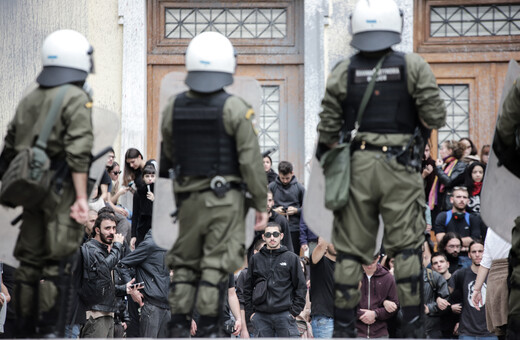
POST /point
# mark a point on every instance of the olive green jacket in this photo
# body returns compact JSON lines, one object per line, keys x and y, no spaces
{"x":422,"y":86}
{"x":238,"y":118}
{"x":71,"y":138}
{"x":510,"y":118}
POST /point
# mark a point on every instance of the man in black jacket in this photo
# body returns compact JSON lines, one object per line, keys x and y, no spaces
{"x":148,"y":261}
{"x":274,"y":288}
{"x":288,"y":200}
{"x":105,"y":250}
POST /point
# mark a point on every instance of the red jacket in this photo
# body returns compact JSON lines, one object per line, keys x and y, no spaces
{"x":381,"y":287}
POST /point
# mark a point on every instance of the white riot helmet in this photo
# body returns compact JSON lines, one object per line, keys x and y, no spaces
{"x":210,"y":62}
{"x":66,"y":57}
{"x":376,"y":25}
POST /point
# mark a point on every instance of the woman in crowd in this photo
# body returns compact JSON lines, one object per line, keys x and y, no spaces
{"x":271,"y":174}
{"x":117,"y":190}
{"x":427,"y":169}
{"x":449,"y":171}
{"x":484,"y":154}
{"x":474,"y":175}
{"x":470,"y":150}
{"x":134,"y":164}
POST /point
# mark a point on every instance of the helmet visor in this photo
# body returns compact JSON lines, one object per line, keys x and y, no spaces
{"x":55,"y":75}
{"x":375,"y":40}
{"x":208,"y":81}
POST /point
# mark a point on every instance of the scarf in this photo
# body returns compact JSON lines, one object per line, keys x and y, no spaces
{"x":477,"y":186}
{"x":436,"y":189}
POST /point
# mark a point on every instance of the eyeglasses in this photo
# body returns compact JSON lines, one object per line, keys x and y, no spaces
{"x":116,"y":172}
{"x":274,"y":234}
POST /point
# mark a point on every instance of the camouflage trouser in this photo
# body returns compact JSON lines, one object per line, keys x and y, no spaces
{"x":380,"y":186}
{"x":209,"y":247}
{"x":48,"y":238}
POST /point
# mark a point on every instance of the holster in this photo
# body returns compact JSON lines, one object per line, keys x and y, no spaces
{"x":411,"y":156}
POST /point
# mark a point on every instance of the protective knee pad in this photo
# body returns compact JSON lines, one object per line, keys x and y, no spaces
{"x":347,"y":275}
{"x":409,"y":277}
{"x":183,"y":290}
{"x":212,"y":292}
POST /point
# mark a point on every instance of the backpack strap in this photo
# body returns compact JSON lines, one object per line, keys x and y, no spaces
{"x":466,"y":217}
{"x":449,"y":215}
{"x":51,"y":118}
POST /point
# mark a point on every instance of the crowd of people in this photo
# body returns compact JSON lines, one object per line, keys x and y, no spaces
{"x":118,"y":230}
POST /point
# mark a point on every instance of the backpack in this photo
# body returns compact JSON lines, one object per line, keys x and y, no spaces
{"x":449,"y":215}
{"x":27,"y":179}
{"x":96,"y":280}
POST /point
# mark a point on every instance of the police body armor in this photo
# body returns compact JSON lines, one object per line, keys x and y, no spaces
{"x":202,"y":148}
{"x":391,"y":108}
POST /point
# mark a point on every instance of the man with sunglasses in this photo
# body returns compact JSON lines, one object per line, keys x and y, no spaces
{"x":275,"y":287}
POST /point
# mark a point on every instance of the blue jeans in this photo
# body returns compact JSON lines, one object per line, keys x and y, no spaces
{"x":467,"y":337}
{"x":72,"y":331}
{"x":322,"y":326}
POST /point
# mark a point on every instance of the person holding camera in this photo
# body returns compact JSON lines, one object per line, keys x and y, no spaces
{"x":288,"y":200}
{"x":150,"y":269}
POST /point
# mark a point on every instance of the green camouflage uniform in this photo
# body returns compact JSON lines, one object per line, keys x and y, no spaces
{"x":380,"y":185}
{"x":48,"y":236}
{"x":507,"y":124}
{"x":212,"y":230}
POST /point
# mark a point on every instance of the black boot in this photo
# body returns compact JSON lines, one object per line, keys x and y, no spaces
{"x":344,"y":323}
{"x":51,"y":323}
{"x":208,"y":327}
{"x":25,"y":325}
{"x":513,"y":329}
{"x":179,"y":326}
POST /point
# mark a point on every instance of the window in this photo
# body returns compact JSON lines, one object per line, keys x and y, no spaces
{"x":269,"y":121}
{"x":474,"y":20}
{"x":237,"y":23}
{"x":456,"y":98}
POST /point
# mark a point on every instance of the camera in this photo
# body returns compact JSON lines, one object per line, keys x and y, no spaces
{"x":229,"y":326}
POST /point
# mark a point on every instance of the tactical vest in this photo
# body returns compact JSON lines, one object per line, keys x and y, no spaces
{"x":390,"y":109}
{"x":202,"y":148}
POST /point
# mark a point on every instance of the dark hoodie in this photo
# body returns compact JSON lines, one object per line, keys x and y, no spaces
{"x":286,"y":287}
{"x":148,"y":259}
{"x":380,"y":288}
{"x":290,"y":195}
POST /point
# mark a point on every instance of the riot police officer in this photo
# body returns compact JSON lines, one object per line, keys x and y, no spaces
{"x":51,"y":231}
{"x":210,"y":144}
{"x":506,"y":145}
{"x":385,"y":178}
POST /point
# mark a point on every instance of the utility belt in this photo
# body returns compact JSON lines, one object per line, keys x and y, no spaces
{"x":404,"y":154}
{"x":219,"y":185}
{"x":389,"y":150}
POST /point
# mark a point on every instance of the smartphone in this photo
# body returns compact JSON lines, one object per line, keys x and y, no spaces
{"x":135,"y":285}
